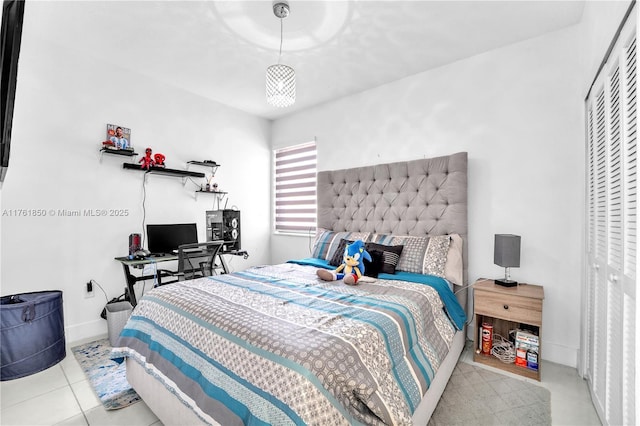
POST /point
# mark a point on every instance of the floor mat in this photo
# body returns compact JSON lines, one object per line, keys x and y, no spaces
{"x":107,"y":377}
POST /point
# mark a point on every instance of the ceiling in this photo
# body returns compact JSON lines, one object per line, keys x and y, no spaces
{"x":221,"y":49}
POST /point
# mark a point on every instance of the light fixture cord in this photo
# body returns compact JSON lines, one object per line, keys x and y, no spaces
{"x":280,"y":54}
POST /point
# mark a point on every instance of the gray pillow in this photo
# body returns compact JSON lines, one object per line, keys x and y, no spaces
{"x":420,"y":255}
{"x":326,"y":242}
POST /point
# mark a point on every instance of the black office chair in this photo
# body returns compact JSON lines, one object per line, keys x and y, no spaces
{"x":195,"y":260}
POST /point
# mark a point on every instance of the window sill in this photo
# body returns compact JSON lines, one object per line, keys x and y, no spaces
{"x":295,"y":234}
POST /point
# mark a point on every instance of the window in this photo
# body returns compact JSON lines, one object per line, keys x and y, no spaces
{"x":295,"y":189}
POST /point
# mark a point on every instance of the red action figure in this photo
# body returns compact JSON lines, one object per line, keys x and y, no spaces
{"x":147,"y":161}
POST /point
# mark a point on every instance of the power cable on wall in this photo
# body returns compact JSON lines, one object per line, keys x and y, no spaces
{"x":144,"y":209}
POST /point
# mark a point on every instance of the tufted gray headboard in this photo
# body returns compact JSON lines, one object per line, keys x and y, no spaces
{"x":419,"y":197}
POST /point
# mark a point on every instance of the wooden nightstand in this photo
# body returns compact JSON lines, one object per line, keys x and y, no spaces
{"x":507,"y":308}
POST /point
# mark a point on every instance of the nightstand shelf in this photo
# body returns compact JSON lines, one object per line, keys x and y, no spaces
{"x":507,"y":308}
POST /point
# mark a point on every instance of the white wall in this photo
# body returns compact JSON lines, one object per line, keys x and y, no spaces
{"x":517,"y":112}
{"x":64,"y":101}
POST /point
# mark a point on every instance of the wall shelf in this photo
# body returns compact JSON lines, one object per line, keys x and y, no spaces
{"x":212,"y":192}
{"x":163,"y":171}
{"x":213,"y":166}
{"x":124,"y":152}
{"x":203,"y":163}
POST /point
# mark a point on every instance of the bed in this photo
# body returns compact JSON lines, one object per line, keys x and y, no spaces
{"x":274,"y":344}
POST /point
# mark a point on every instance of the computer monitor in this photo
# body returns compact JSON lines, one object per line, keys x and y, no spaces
{"x":166,"y":238}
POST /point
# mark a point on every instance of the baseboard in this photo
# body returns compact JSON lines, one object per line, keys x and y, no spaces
{"x":560,"y":354}
{"x":88,"y":330}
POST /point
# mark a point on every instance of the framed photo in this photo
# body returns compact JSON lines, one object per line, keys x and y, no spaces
{"x":119,"y":136}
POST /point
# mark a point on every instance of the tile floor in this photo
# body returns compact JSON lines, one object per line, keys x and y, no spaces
{"x":61,"y":395}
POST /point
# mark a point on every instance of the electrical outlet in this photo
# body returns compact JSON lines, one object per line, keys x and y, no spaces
{"x":89,"y":290}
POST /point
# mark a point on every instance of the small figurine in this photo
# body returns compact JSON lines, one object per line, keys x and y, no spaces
{"x":109,"y":145}
{"x":159,"y":160}
{"x":213,"y":186}
{"x":147,"y":161}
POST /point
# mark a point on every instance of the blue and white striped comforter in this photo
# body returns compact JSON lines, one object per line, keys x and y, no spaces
{"x":275,"y":345}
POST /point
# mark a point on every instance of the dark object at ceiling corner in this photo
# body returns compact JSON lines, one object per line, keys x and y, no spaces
{"x":10,"y":39}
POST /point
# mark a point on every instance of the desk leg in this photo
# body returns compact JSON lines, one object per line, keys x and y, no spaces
{"x":225,"y":268}
{"x":131,"y":281}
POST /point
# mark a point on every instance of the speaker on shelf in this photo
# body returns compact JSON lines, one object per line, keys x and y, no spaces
{"x":224,"y":225}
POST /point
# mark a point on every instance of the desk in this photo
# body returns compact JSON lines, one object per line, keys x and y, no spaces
{"x":211,"y":250}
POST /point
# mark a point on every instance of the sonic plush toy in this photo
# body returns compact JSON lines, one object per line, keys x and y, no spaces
{"x":352,"y":267}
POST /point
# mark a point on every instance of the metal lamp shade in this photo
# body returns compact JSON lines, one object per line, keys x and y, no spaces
{"x":506,"y":250}
{"x":281,"y":85}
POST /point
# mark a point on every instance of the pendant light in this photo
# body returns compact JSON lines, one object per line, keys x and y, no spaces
{"x":281,"y":79}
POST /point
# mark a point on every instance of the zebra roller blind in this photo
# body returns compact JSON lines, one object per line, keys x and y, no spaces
{"x":295,"y":188}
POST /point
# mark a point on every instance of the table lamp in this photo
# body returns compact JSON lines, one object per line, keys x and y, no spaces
{"x":506,"y":253}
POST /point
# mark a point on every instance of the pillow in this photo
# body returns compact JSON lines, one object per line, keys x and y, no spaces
{"x":338,"y":256}
{"x":373,"y":268}
{"x":454,"y":268}
{"x":390,"y":256}
{"x":420,"y":255}
{"x":326,"y":242}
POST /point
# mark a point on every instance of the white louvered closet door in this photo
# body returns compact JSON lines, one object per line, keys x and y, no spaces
{"x":609,"y":344}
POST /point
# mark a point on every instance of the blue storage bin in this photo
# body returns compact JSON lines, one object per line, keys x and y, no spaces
{"x":31,"y":333}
